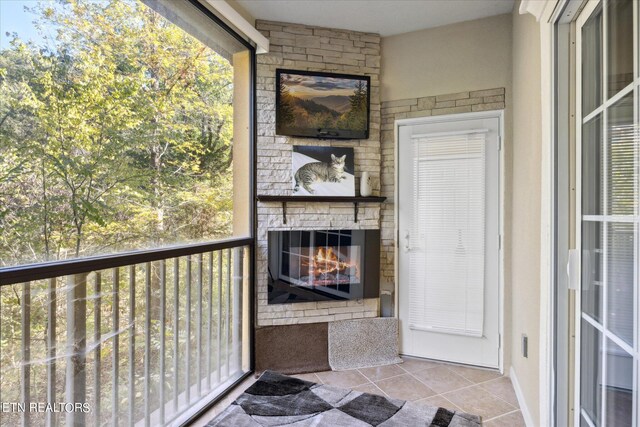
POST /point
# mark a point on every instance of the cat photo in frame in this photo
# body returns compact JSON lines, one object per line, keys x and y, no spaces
{"x":322,"y":171}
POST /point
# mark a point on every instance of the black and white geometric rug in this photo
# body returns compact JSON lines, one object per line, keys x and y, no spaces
{"x":278,"y":400}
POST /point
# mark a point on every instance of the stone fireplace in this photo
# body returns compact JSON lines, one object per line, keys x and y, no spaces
{"x":323,"y":265}
{"x":301,"y":47}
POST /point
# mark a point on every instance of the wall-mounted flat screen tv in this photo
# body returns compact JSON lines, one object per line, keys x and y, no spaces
{"x":322,"y":105}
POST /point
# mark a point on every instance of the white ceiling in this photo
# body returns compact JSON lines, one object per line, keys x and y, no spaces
{"x":386,"y":17}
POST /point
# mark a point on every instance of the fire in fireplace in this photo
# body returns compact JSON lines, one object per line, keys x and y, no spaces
{"x":323,"y":265}
{"x":329,"y":266}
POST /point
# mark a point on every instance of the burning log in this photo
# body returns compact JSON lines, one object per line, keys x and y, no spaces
{"x":327,"y":264}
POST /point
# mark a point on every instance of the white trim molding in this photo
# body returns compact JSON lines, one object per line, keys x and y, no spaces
{"x":526,"y":414}
{"x":241,"y":24}
{"x":545,"y":10}
{"x":534,"y":7}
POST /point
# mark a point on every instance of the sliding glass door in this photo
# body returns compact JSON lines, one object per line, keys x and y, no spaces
{"x":608,"y":214}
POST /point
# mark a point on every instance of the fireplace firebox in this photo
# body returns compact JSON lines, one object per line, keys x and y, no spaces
{"x":326,"y":265}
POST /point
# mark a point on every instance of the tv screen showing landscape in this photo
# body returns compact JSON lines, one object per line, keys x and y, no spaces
{"x":322,"y":105}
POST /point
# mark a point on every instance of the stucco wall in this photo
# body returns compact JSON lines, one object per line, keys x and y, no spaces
{"x":526,"y":208}
{"x":454,"y":58}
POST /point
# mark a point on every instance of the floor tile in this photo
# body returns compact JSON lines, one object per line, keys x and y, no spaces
{"x":439,"y":401}
{"x":476,"y":400}
{"x":441,"y":379}
{"x":345,"y":379}
{"x":369,"y":388}
{"x":502,"y":388}
{"x":475,"y":375}
{"x":412,"y":365}
{"x":405,"y":387}
{"x":513,"y":419}
{"x":493,"y":399}
{"x":381,"y":372}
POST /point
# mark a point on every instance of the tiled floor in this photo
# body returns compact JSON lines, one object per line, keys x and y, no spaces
{"x":477,"y":391}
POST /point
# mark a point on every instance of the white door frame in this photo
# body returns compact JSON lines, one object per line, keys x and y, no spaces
{"x":589,"y":7}
{"x":548,"y":13}
{"x":498,"y":114}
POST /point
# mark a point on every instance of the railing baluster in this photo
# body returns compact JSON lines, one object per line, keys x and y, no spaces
{"x":188,"y":332}
{"x":25,"y":366}
{"x":210,"y":322}
{"x":219,"y":335}
{"x":147,"y":345}
{"x":199,"y":325}
{"x":76,"y":378}
{"x":247,"y":304}
{"x":176,"y":313}
{"x":97,"y":371}
{"x":237,"y":306}
{"x":228,"y":320}
{"x":163,"y":336}
{"x":1,"y":370}
{"x":132,"y":342}
{"x":115,"y":355}
{"x":51,"y":351}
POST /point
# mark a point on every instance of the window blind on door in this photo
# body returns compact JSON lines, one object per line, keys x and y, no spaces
{"x":447,"y":242}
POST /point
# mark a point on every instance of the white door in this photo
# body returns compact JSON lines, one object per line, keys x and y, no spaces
{"x":448,"y":229}
{"x":608,"y":214}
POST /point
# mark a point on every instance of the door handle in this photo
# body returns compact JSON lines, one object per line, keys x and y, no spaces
{"x":407,"y":247}
{"x":573,"y":269}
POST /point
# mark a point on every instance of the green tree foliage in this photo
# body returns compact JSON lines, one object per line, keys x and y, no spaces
{"x":116,"y":135}
{"x":356,"y":117}
{"x":286,"y":116}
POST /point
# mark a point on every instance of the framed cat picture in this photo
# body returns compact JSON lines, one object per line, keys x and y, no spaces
{"x":322,"y":171}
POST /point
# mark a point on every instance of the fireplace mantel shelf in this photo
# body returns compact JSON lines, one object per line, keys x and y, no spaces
{"x":346,"y":199}
{"x":320,"y":199}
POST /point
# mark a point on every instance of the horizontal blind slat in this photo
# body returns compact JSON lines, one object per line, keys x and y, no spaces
{"x":447,"y":240}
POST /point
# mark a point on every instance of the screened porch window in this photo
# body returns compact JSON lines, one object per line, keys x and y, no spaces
{"x":125,"y":210}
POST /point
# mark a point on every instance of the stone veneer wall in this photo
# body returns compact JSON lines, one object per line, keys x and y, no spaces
{"x":303,"y":47}
{"x":462,"y":102}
